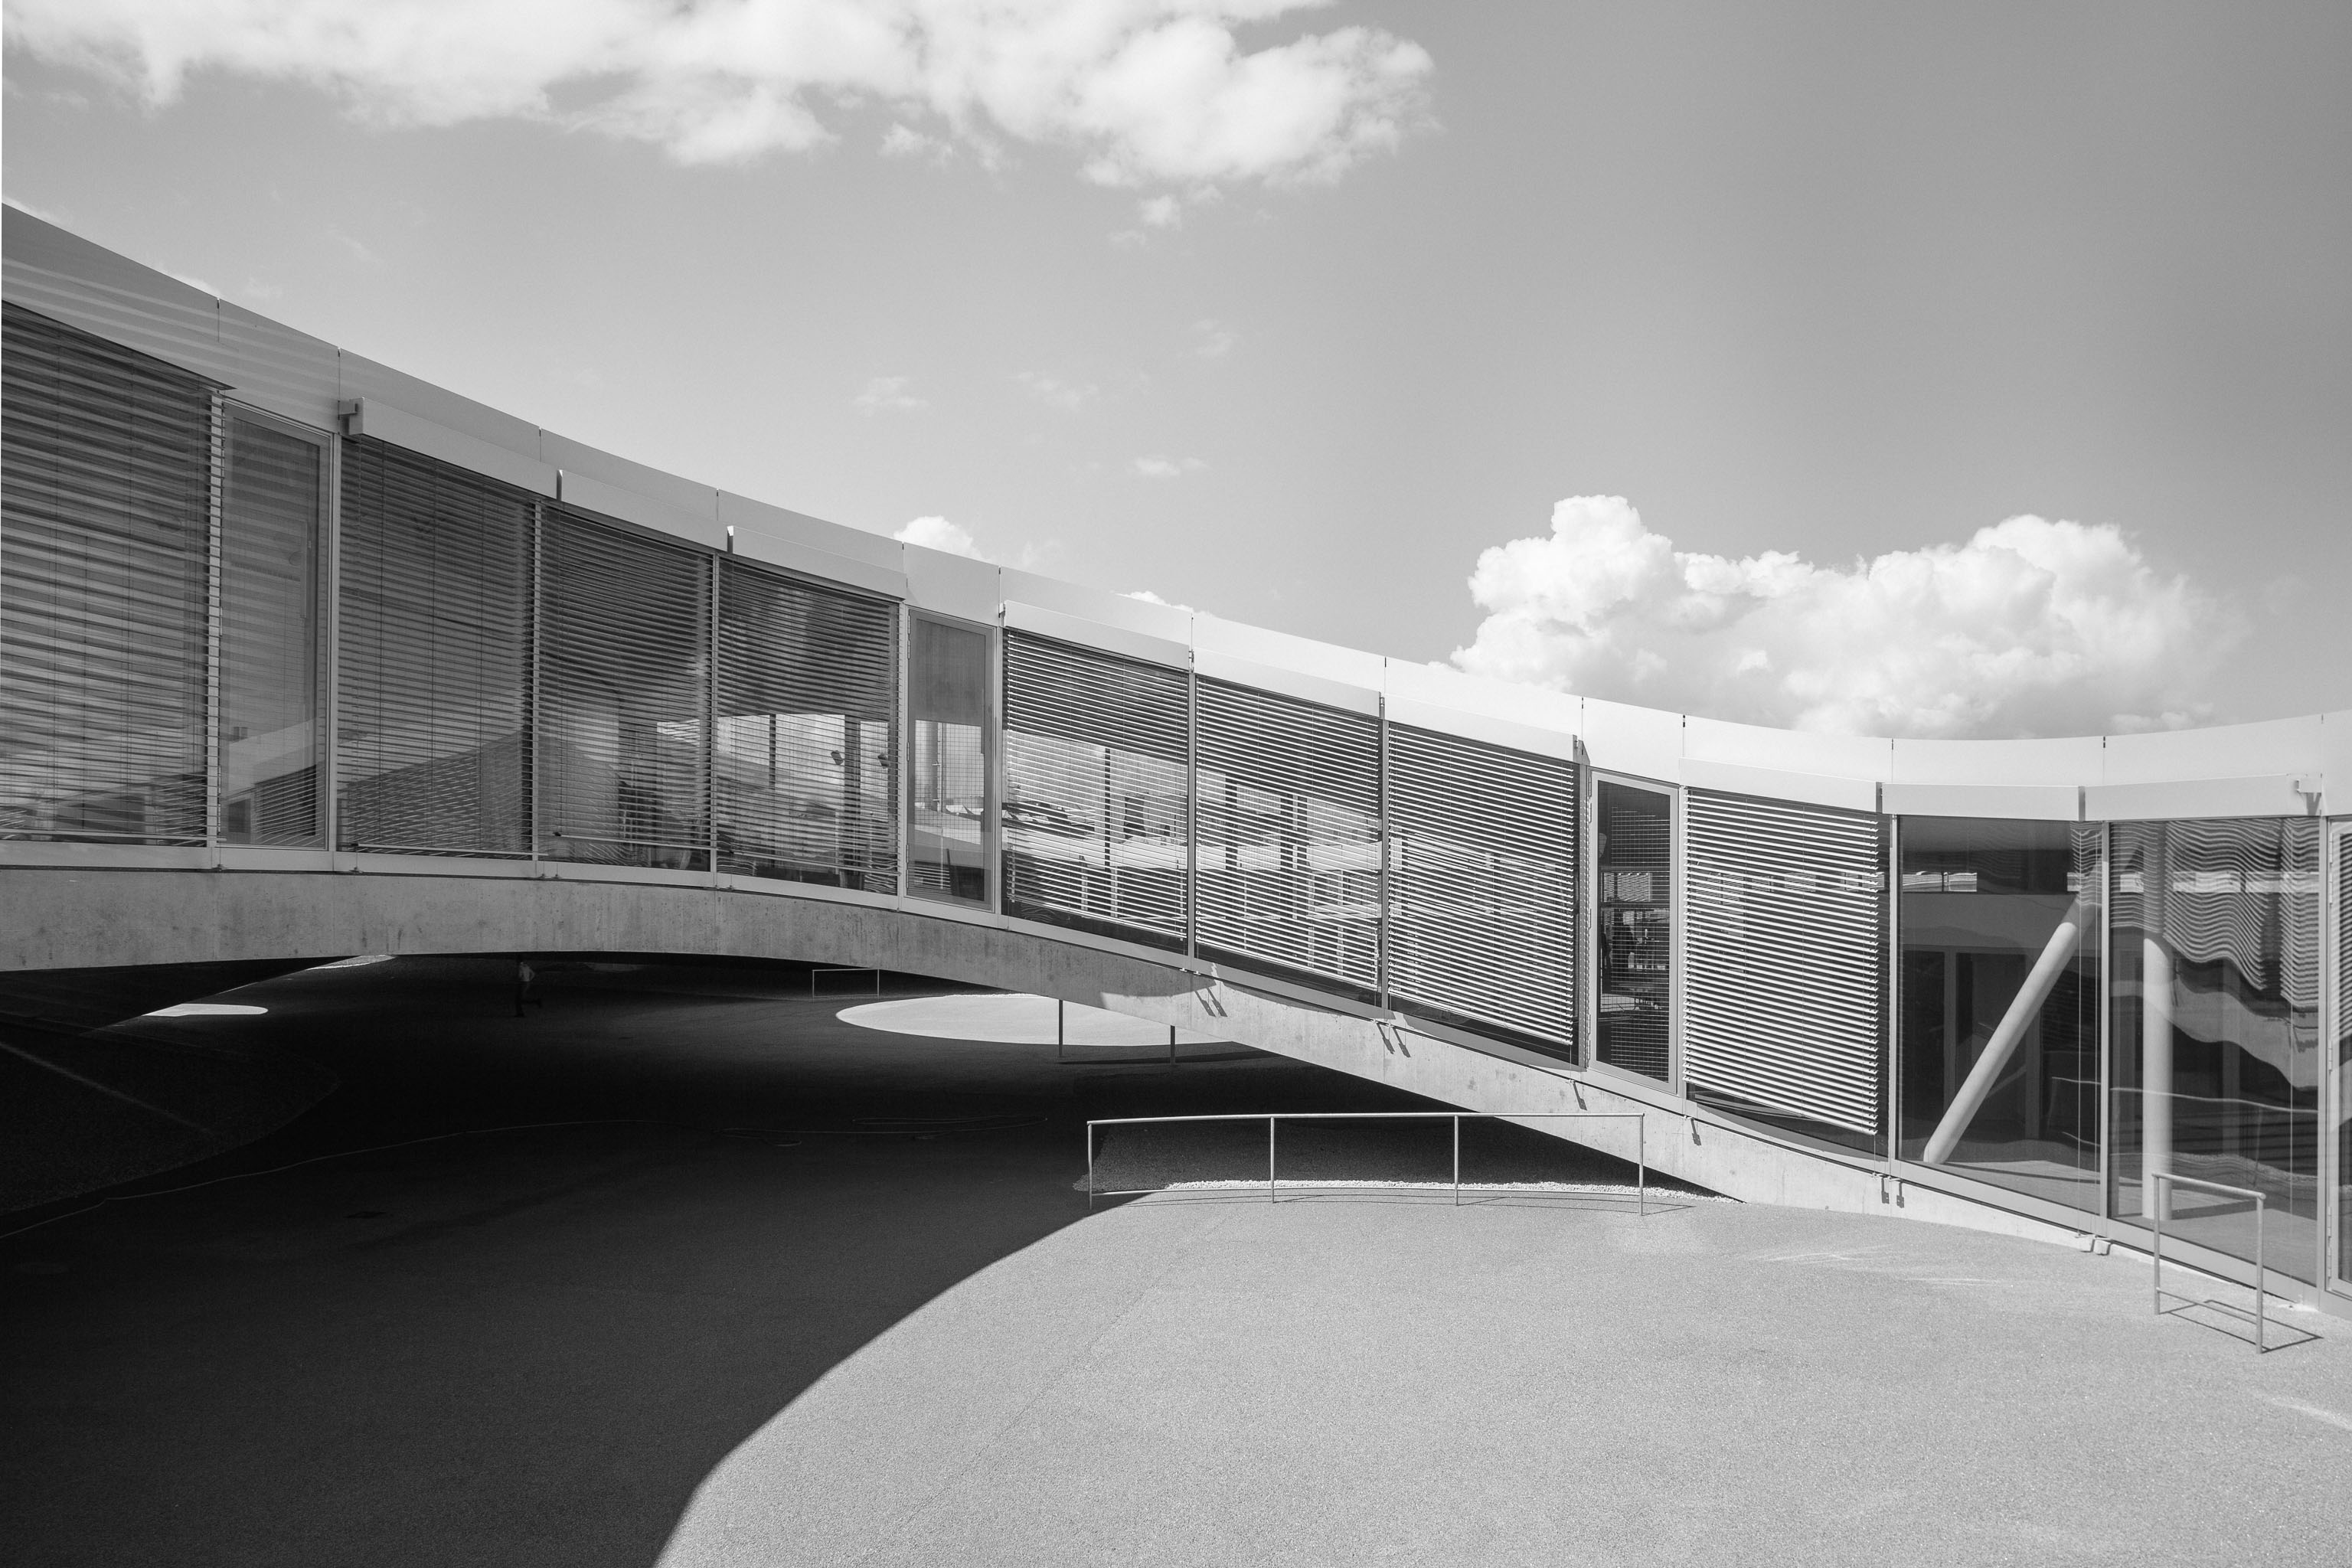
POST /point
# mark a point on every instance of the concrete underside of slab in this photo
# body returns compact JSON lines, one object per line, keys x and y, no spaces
{"x":85,"y":917}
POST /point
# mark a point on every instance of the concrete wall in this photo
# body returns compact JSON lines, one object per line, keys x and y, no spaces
{"x":84,"y":917}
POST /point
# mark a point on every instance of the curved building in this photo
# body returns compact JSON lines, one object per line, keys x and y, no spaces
{"x":306,"y":658}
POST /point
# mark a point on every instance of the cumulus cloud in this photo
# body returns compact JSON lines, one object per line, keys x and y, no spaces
{"x":1068,"y":396}
{"x":1148,"y":597}
{"x":887,"y":395}
{"x":2031,"y":627}
{"x":938,"y":533}
{"x":1212,"y":339}
{"x":1144,"y":91}
{"x":1167,"y":468}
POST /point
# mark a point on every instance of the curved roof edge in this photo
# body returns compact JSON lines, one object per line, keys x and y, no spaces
{"x":2295,"y":766}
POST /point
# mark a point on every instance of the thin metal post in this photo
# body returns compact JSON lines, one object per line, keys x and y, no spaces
{"x":1090,"y":1167}
{"x":1171,"y":1048}
{"x":1640,"y":1167}
{"x":1457,"y":1161}
{"x":2261,"y":1294}
{"x":1269,"y":1158}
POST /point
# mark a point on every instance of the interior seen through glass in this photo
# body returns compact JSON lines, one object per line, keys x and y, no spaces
{"x":948,"y":696}
{"x":2215,"y":1024}
{"x":1634,"y":929}
{"x":2000,"y":978}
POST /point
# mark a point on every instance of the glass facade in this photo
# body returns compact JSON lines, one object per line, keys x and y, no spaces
{"x":105,"y":570}
{"x":948,"y":697}
{"x":268,"y":739}
{"x":2075,"y":1006}
{"x":1998,"y":924}
{"x":2215,"y":1029}
{"x":1633,"y":931}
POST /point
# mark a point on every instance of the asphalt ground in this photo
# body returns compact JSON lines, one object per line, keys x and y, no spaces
{"x":1358,"y":1379}
{"x":493,"y":1339}
{"x":680,"y":1264}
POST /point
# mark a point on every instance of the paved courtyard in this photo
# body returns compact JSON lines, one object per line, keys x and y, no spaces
{"x":1361,"y":1379}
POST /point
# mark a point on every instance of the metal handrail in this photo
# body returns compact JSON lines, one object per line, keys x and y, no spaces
{"x":1639,"y":1118}
{"x":2156,"y":1219}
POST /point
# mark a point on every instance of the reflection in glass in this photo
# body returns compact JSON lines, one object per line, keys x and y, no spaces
{"x":802,"y":758}
{"x":105,"y":522}
{"x":2215,"y":1028}
{"x":1098,"y":810}
{"x":269,"y":737}
{"x":1635,"y":929}
{"x":2344,"y":1056}
{"x":949,"y":704}
{"x":1999,"y":932}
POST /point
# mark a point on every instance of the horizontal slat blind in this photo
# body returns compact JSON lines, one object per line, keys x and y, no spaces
{"x":807,"y":682}
{"x":1096,"y":802}
{"x":436,"y":612}
{"x":105,"y":570}
{"x":269,"y":643}
{"x":1289,"y":826}
{"x":1786,"y":957}
{"x":623,"y":661}
{"x":1482,"y":883}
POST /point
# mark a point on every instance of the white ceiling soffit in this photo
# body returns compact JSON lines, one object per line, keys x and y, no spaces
{"x":373,"y":417}
{"x":1094,"y":635}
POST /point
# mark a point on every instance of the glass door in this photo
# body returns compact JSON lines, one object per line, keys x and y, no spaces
{"x":1633,"y":929}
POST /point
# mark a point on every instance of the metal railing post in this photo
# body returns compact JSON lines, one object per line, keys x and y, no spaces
{"x":1457,"y":1161}
{"x":2156,"y":1182}
{"x":1640,"y":1167}
{"x":1090,"y":1167}
{"x":1269,"y":1158}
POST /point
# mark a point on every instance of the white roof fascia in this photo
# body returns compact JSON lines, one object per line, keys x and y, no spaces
{"x":2070,"y":760}
{"x":1169,"y":623}
{"x":1280,"y":650}
{"x":2225,"y":751}
{"x":1096,"y":634}
{"x":952,"y":584}
{"x":1775,"y":783}
{"x":1287,"y":682}
{"x":2263,"y":794}
{"x":594,"y":495}
{"x":1641,"y":742}
{"x":831,"y":538}
{"x":379,"y":420}
{"x":2031,"y":803}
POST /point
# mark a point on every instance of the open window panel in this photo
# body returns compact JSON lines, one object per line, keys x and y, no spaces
{"x":1634,"y":946}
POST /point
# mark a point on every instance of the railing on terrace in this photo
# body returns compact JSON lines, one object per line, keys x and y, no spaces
{"x":1273,"y":1120}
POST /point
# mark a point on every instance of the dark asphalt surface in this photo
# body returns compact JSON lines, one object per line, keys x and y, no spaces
{"x":524,"y":1347}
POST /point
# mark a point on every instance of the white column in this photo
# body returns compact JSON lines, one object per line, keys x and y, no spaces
{"x":2023,"y":1009}
{"x":2155,"y":1070}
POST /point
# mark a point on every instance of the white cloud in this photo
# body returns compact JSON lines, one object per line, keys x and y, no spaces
{"x":1167,"y":468}
{"x":1146,"y":91}
{"x":1064,"y":394}
{"x":1161,"y":212}
{"x":1213,"y":339}
{"x":938,"y":533}
{"x":903,"y":141}
{"x":887,"y":395}
{"x":2031,"y":627}
{"x":1148,"y":597}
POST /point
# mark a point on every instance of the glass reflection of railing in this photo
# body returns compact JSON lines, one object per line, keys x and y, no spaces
{"x":2274,"y":1147}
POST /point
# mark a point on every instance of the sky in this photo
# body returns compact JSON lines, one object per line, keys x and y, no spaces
{"x":1977,"y":370}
